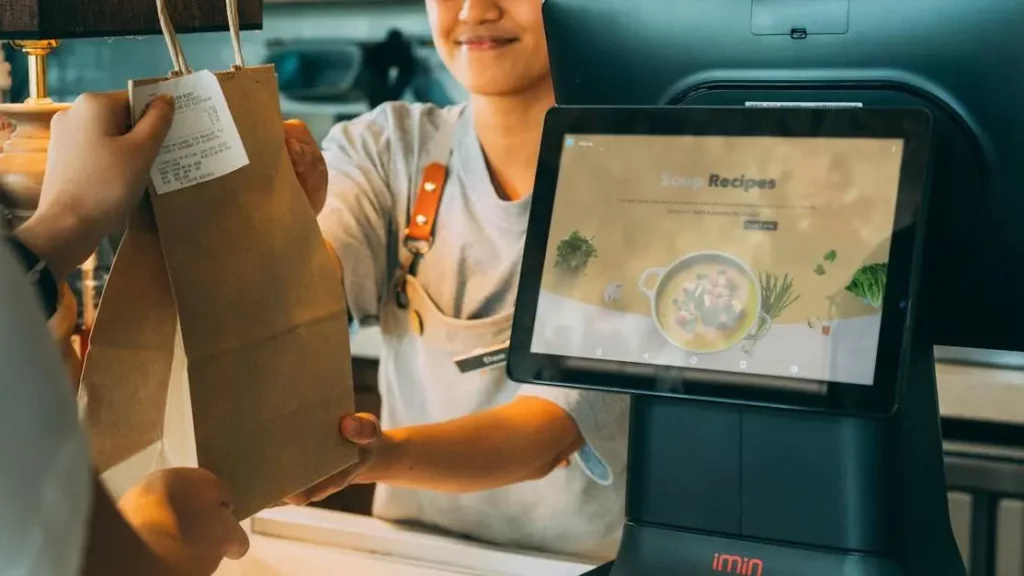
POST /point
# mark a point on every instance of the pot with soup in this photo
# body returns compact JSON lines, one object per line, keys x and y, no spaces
{"x":704,"y":302}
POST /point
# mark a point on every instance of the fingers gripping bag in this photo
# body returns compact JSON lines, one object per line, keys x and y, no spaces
{"x":222,"y":335}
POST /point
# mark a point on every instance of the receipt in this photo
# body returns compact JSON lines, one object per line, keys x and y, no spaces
{"x":203,"y":143}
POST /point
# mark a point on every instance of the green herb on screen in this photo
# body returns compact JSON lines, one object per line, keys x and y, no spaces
{"x":830,"y":256}
{"x":819,"y":270}
{"x":776,"y":294}
{"x":868,"y":284}
{"x":574,"y":253}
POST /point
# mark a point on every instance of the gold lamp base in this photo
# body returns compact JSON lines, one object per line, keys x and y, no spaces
{"x":22,"y":166}
{"x":23,"y":155}
{"x":23,"y":158}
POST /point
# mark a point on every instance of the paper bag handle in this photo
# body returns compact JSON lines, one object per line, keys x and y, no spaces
{"x":181,"y":66}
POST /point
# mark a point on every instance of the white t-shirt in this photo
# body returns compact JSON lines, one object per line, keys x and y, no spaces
{"x":471,"y":275}
{"x":45,"y":478}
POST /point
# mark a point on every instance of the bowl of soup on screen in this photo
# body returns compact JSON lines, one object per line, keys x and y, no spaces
{"x":705,"y":302}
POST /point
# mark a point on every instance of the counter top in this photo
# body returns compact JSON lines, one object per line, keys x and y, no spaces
{"x":270,"y":556}
{"x":311,"y":541}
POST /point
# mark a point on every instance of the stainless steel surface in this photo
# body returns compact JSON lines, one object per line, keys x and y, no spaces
{"x":990,"y":358}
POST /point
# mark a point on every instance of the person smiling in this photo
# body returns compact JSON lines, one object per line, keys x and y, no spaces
{"x":427,"y":209}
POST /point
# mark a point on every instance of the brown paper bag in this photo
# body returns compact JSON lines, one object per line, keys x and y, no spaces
{"x":238,"y":262}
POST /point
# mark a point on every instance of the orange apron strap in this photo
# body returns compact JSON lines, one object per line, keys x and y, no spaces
{"x":419,"y":236}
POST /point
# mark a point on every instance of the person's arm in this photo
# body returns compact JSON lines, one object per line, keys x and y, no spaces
{"x":95,"y":175}
{"x":44,"y":485}
{"x":523,"y":440}
{"x":99,"y":177}
{"x":357,"y":214}
{"x":176,"y":522}
{"x":38,"y":272}
{"x":357,"y":206}
{"x":45,"y":491}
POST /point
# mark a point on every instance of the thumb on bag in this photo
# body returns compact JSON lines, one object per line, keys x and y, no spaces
{"x":360,"y":429}
{"x":150,"y":131}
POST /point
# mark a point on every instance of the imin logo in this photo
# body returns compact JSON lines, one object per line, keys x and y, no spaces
{"x":732,"y":564}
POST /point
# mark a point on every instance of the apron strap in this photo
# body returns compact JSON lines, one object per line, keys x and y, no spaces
{"x":425,"y":200}
{"x":419,"y":235}
{"x":422,"y":209}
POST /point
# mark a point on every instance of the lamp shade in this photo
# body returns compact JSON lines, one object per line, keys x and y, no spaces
{"x":60,"y":19}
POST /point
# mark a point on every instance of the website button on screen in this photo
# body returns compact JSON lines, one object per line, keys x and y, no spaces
{"x":765,"y":225}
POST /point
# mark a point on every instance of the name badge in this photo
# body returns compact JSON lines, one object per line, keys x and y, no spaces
{"x":483,"y":358}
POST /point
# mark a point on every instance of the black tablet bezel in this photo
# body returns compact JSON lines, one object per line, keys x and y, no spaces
{"x":913,"y":126}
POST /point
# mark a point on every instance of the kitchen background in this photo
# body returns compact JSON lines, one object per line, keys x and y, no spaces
{"x":338,"y":59}
{"x":335,"y":60}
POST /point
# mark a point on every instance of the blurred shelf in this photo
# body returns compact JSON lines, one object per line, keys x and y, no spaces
{"x":977,"y":357}
{"x":983,"y":393}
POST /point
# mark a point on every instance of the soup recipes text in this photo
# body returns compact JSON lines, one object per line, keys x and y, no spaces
{"x":741,"y":182}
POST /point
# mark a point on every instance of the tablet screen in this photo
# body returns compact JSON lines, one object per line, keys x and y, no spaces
{"x":759,"y":255}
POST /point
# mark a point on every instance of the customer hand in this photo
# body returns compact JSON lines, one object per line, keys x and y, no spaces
{"x":308,"y":162}
{"x":364,"y":431}
{"x":185,"y":516}
{"x":95,"y":175}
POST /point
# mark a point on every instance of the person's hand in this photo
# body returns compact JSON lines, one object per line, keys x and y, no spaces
{"x":185,"y":515}
{"x":362,"y":430}
{"x":308,"y":162}
{"x":95,"y":175}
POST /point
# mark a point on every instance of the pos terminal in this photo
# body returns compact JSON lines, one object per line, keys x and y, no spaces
{"x":758,"y":217}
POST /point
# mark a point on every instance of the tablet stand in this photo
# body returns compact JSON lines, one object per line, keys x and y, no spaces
{"x":717,"y":488}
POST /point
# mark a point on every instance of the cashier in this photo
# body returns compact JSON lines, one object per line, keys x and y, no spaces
{"x":464,"y":449}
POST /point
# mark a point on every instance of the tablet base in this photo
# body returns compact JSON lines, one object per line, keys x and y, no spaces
{"x":653,"y":551}
{"x":717,"y":488}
